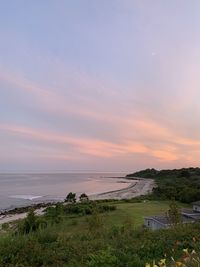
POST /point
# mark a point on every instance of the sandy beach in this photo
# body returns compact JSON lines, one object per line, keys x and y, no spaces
{"x":138,"y":187}
{"x":14,"y":217}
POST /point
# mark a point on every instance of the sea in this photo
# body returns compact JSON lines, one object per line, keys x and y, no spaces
{"x":24,"y":189}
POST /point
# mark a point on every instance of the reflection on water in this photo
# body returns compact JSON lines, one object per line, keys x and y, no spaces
{"x":24,"y":189}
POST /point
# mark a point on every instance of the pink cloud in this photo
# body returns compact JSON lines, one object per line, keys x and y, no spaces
{"x":136,"y":132}
{"x":89,"y":146}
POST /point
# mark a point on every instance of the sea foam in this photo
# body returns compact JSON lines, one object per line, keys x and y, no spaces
{"x":27,"y":197}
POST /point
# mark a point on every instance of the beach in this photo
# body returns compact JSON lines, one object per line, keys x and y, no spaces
{"x":136,"y":187}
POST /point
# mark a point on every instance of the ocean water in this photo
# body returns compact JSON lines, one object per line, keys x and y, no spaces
{"x":28,"y":188}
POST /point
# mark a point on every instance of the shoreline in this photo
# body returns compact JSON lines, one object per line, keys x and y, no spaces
{"x":46,"y":200}
{"x":138,"y":187}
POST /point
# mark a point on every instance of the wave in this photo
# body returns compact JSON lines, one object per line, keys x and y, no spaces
{"x":27,"y":197}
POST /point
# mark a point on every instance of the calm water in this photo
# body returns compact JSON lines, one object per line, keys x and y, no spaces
{"x":24,"y":189}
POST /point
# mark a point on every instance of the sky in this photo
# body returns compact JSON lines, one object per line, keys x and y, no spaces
{"x":99,"y":85}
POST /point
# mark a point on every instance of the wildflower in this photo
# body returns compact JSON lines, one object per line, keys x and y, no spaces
{"x":185,"y":250}
{"x":162,"y":262}
{"x":148,"y":265}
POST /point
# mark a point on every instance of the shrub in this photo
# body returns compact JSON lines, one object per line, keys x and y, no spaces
{"x":31,"y":223}
{"x":55,"y":214}
{"x":84,"y":198}
{"x":105,"y":258}
{"x":5,"y":226}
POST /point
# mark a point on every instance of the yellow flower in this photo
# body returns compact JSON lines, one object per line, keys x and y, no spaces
{"x":154,"y":265}
{"x":162,"y":262}
{"x":148,"y":265}
{"x":185,"y":250}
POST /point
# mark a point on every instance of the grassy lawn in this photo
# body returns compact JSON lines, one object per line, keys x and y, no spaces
{"x":137,"y":211}
{"x":125,"y":212}
{"x":134,"y":212}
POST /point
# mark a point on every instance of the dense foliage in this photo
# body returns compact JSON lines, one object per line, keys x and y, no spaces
{"x":82,"y":208}
{"x":179,"y":184}
{"x":90,"y":243}
{"x":71,"y":198}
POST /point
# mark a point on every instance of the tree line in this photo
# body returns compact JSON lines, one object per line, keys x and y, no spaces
{"x":178,"y":184}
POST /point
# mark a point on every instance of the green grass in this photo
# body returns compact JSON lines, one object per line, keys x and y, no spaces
{"x":73,"y":241}
{"x":132,"y":212}
{"x":137,"y":211}
{"x":125,"y":212}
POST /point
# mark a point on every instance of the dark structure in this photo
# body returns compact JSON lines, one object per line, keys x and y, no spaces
{"x":162,"y":221}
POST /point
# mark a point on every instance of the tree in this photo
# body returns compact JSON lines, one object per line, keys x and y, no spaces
{"x":174,"y":214}
{"x":83,"y":197}
{"x":71,"y":198}
{"x":184,"y":173}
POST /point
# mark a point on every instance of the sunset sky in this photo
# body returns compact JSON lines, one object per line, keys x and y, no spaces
{"x":99,"y":85}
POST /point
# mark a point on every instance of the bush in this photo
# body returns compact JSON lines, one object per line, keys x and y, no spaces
{"x":105,"y":258}
{"x":31,"y":223}
{"x":55,"y":214}
{"x":5,"y":226}
{"x":87,"y":208}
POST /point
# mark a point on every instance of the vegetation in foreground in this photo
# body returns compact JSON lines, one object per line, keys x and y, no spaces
{"x":188,"y":259}
{"x":94,"y":234}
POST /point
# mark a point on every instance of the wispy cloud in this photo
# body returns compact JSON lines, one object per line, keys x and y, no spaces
{"x":136,"y":132}
{"x":72,"y":145}
{"x":93,"y":147}
{"x":68,"y":101}
{"x":115,"y":91}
